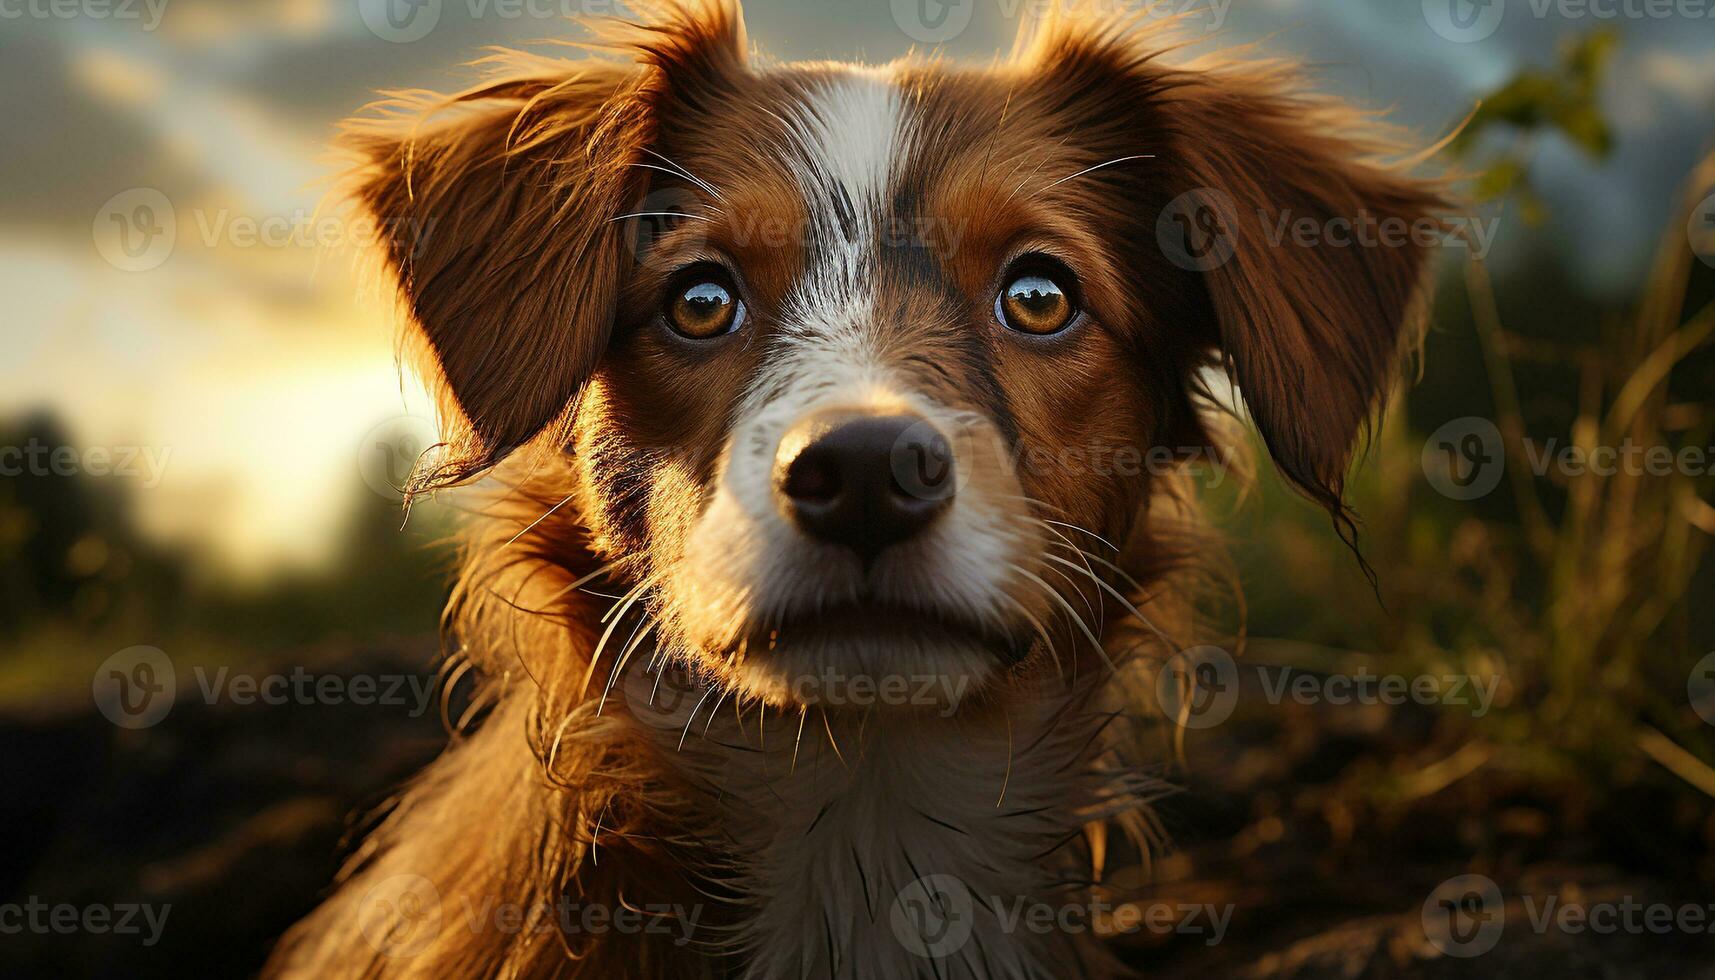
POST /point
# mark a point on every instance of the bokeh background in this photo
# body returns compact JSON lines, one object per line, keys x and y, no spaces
{"x":209,"y":421}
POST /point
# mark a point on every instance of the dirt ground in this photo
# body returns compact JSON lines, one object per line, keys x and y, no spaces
{"x":235,"y":817}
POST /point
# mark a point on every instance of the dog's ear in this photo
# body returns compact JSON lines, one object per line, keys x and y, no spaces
{"x":1309,"y":252}
{"x":498,"y":211}
{"x":1314,"y":255}
{"x":494,"y":209}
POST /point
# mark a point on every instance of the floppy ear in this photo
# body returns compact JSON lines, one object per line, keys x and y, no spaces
{"x":1319,"y":279}
{"x":494,"y":208}
{"x":1310,"y":253}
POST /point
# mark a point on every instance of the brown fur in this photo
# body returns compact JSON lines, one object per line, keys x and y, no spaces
{"x":533,"y":318}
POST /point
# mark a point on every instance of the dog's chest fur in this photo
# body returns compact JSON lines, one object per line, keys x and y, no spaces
{"x":901,"y":844}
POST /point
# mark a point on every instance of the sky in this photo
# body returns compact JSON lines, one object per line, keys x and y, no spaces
{"x":260,"y":373}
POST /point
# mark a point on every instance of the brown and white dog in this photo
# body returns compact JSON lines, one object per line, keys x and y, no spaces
{"x":796,"y":618}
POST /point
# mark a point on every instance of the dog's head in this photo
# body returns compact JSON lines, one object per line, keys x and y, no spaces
{"x":844,"y":356}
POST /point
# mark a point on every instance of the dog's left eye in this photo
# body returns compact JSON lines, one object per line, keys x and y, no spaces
{"x":1035,"y":302}
{"x":704,"y":306}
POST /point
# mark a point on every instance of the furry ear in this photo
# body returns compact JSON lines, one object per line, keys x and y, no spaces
{"x":503,"y":250}
{"x":1312,"y":252}
{"x":1315,"y":256}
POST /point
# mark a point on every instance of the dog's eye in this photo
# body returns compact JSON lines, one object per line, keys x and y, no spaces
{"x":703,"y":306}
{"x":1035,"y":303}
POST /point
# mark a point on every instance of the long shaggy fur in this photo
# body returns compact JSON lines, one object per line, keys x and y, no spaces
{"x":766,"y":839}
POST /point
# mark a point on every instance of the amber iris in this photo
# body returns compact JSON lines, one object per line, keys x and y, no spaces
{"x":1034,"y":303}
{"x":703,"y":308}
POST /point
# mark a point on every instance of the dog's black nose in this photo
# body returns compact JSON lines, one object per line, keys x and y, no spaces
{"x":864,"y":481}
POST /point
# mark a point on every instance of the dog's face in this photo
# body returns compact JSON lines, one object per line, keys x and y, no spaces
{"x":847,"y":358}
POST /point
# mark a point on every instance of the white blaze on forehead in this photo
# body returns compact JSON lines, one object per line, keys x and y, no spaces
{"x":851,"y":133}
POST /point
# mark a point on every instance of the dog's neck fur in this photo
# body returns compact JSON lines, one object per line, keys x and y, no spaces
{"x":880,"y":845}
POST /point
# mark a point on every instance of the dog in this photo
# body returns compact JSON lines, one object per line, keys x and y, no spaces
{"x":802,"y":608}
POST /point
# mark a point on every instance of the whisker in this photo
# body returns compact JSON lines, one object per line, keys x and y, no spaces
{"x":1062,"y":180}
{"x":1122,"y":599}
{"x":716,"y":710}
{"x":803,"y":715}
{"x":545,"y":516}
{"x":607,"y":634}
{"x":1084,"y":530}
{"x":1081,"y":598}
{"x":829,"y":728}
{"x":693,"y":716}
{"x":638,"y":632}
{"x":660,"y":672}
{"x":1033,"y":171}
{"x":659,"y":214}
{"x":675,"y":173}
{"x":1117,"y":570}
{"x":685,"y":172}
{"x":1101,"y":617}
{"x":1041,"y":631}
{"x":1083,"y":627}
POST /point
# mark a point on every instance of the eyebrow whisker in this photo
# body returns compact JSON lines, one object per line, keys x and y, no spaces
{"x":1062,"y":180}
{"x":659,"y":214}
{"x":686,"y":173}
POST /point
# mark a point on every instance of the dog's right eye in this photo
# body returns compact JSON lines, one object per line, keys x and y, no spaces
{"x":703,"y":306}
